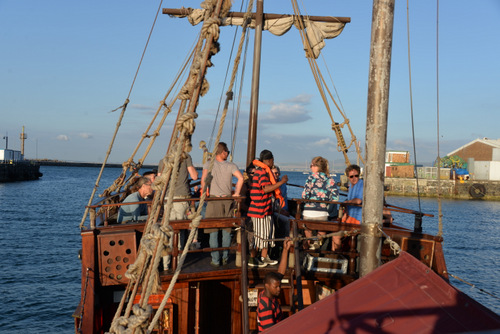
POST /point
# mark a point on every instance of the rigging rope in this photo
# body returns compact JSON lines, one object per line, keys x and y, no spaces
{"x":118,"y":124}
{"x":195,"y":85}
{"x":411,"y":101}
{"x":440,"y":209}
{"x":474,"y":286}
{"x":229,"y":94}
{"x":240,"y":94}
{"x":322,"y":86}
{"x":192,"y":88}
{"x":196,"y":220}
{"x":388,"y":240}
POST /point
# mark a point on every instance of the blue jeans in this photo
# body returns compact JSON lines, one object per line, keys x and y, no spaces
{"x":214,"y":243}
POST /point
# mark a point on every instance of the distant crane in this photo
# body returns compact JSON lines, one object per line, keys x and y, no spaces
{"x":23,"y":136}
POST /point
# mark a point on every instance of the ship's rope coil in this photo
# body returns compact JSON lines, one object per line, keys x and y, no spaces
{"x":153,"y":247}
{"x":394,"y":245}
{"x":136,"y":323}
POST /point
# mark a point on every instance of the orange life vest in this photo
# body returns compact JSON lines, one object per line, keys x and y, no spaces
{"x":277,"y":191}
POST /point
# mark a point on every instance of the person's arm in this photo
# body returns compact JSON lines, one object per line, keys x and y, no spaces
{"x":334,"y":191}
{"x":284,"y":256}
{"x":203,"y":177}
{"x":354,"y":201}
{"x":272,"y":187}
{"x":193,"y":173}
{"x":239,"y":184}
{"x":306,"y":193}
{"x":194,"y":176}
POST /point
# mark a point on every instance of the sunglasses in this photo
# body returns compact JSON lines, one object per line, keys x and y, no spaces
{"x":313,"y":165}
{"x":351,"y":176}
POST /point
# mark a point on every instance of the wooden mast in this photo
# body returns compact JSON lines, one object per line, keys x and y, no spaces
{"x":254,"y":101}
{"x":376,"y":133}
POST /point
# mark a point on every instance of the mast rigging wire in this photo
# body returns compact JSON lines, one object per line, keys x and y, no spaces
{"x":118,"y":124}
{"x":411,"y":102}
{"x":440,"y":204}
{"x":214,"y":127}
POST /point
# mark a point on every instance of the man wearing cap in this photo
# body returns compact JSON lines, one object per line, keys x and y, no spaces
{"x":260,"y":210}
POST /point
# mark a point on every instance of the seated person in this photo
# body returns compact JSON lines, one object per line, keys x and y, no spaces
{"x":136,"y":211}
{"x":319,"y":186}
{"x":281,"y":216}
{"x":269,"y":310}
{"x":277,"y":175}
{"x":354,"y":196}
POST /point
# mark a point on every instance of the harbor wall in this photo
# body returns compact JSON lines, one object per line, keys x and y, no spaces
{"x":19,"y":171}
{"x":459,"y":189}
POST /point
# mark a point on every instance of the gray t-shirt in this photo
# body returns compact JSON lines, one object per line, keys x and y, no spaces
{"x":182,"y":184}
{"x":222,"y":182}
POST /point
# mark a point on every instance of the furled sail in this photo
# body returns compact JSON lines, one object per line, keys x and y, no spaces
{"x":316,"y":32}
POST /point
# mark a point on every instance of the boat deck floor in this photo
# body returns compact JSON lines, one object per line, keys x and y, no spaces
{"x":197,"y":266}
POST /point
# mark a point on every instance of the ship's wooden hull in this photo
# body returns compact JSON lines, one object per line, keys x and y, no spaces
{"x":206,"y":299}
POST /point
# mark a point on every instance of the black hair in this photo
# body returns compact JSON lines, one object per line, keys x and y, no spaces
{"x":272,"y":276}
{"x":351,"y":168}
{"x":266,"y":155}
{"x":250,"y":168}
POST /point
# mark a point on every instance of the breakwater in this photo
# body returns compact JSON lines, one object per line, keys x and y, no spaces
{"x":83,"y":164}
{"x":459,"y":189}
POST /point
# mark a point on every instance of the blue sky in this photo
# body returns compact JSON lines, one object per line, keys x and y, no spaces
{"x":64,"y":65}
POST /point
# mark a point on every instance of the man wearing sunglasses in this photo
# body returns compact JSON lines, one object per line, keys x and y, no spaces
{"x":354,"y":195}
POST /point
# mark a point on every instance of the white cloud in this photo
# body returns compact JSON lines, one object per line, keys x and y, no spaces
{"x":286,"y":113}
{"x":325,"y":142}
{"x":85,"y":135}
{"x":300,"y":99}
{"x":62,"y":138}
{"x":143,"y":107}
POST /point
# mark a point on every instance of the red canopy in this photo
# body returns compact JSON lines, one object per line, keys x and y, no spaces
{"x":402,"y":296}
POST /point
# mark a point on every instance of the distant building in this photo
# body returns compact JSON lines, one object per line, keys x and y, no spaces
{"x":397,"y":156}
{"x":483,"y":158}
{"x":11,"y":155}
{"x":397,"y":164}
{"x":480,"y":150}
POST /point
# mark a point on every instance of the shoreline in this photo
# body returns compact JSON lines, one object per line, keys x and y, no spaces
{"x":82,"y":164}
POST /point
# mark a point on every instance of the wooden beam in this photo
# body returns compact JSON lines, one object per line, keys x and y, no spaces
{"x":187,"y":11}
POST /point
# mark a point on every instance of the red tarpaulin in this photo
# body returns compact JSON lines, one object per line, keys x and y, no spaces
{"x":402,"y":296}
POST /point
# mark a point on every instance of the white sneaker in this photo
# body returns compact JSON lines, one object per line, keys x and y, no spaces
{"x":166,"y":262}
{"x":315,"y":246}
{"x":255,"y":262}
{"x":268,"y":261}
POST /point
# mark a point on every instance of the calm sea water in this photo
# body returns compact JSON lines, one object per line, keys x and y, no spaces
{"x":39,"y":243}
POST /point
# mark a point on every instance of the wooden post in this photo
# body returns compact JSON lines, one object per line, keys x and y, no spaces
{"x":254,"y":101}
{"x":244,"y":278}
{"x":298,"y":274}
{"x":376,"y":133}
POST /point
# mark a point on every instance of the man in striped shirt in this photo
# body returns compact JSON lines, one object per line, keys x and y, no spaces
{"x":260,"y":210}
{"x":268,"y":308}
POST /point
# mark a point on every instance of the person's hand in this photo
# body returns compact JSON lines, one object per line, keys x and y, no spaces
{"x":287,"y":244}
{"x":284,"y":178}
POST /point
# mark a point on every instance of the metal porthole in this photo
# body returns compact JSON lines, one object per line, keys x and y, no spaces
{"x":477,"y":190}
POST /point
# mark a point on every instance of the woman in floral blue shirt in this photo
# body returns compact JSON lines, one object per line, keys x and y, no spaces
{"x":319,"y":186}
